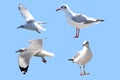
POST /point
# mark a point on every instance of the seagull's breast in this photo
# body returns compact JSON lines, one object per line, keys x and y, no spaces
{"x":84,"y":57}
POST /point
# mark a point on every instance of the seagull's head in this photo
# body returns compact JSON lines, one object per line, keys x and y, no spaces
{"x":85,"y":43}
{"x":63,"y":7}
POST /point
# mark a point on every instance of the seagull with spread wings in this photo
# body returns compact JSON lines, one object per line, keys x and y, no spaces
{"x":34,"y":49}
{"x":31,"y":24}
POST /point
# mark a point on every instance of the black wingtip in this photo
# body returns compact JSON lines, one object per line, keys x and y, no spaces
{"x":24,"y":70}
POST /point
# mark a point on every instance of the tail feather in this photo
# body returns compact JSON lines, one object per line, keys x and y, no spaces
{"x":45,"y":53}
{"x":70,"y":59}
{"x":100,"y":20}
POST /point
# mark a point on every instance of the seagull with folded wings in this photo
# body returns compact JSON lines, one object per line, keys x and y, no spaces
{"x":83,"y":57}
{"x":77,"y":20}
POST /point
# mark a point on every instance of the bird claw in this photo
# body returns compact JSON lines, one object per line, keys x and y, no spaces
{"x":76,"y":36}
{"x":37,"y":31}
{"x":83,"y":74}
{"x":44,"y":61}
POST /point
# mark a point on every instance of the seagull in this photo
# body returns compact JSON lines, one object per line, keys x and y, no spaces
{"x":77,"y":20}
{"x":31,"y":24}
{"x":34,"y":49}
{"x":82,"y":57}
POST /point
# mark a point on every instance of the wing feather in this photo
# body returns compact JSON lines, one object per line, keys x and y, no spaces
{"x":24,"y":59}
{"x":25,"y":13}
{"x":36,"y":44}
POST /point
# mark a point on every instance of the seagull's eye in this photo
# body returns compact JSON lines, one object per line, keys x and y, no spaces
{"x":63,"y":7}
{"x":87,"y":42}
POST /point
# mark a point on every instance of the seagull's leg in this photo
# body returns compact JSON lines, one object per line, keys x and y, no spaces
{"x":44,"y":60}
{"x":77,"y":33}
{"x":37,"y":30}
{"x":81,"y":71}
{"x":85,"y":71}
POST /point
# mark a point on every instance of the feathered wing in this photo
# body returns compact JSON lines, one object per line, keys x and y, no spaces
{"x":84,"y":19}
{"x":36,"y":44}
{"x":72,"y":59}
{"x":24,"y":59}
{"x":79,"y":18}
{"x":25,"y":13}
{"x":78,"y":53}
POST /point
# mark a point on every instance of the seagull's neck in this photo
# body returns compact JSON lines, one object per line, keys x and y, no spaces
{"x":86,"y":47}
{"x":69,"y":13}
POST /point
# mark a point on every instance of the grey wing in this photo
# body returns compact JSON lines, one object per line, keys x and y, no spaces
{"x":79,"y":18}
{"x":24,"y":59}
{"x":36,"y":44}
{"x":82,"y":19}
{"x":77,"y":54}
{"x":25,"y":13}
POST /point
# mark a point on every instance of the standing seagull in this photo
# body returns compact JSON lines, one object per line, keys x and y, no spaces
{"x":31,"y":24}
{"x":82,"y":57}
{"x":35,"y":49}
{"x":77,"y":20}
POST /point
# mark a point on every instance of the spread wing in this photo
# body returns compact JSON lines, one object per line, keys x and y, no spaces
{"x":25,"y":13}
{"x":36,"y":44}
{"x":24,"y":59}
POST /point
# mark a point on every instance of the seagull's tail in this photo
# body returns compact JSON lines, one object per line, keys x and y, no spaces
{"x":41,"y":23}
{"x":45,"y":53}
{"x":70,"y":59}
{"x":43,"y":29}
{"x":100,"y":20}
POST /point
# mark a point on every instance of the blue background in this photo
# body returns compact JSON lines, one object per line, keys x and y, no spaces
{"x":103,"y":38}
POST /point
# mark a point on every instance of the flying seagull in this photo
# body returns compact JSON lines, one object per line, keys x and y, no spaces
{"x":30,"y":24}
{"x":34,"y":49}
{"x":82,"y":57}
{"x":77,"y":20}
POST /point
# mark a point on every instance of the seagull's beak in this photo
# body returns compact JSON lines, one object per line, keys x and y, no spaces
{"x":58,"y":9}
{"x":17,"y":51}
{"x":22,"y":26}
{"x":83,"y":44}
{"x":18,"y":27}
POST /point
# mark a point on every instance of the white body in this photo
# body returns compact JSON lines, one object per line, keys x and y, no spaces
{"x":33,"y":26}
{"x":84,"y":56}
